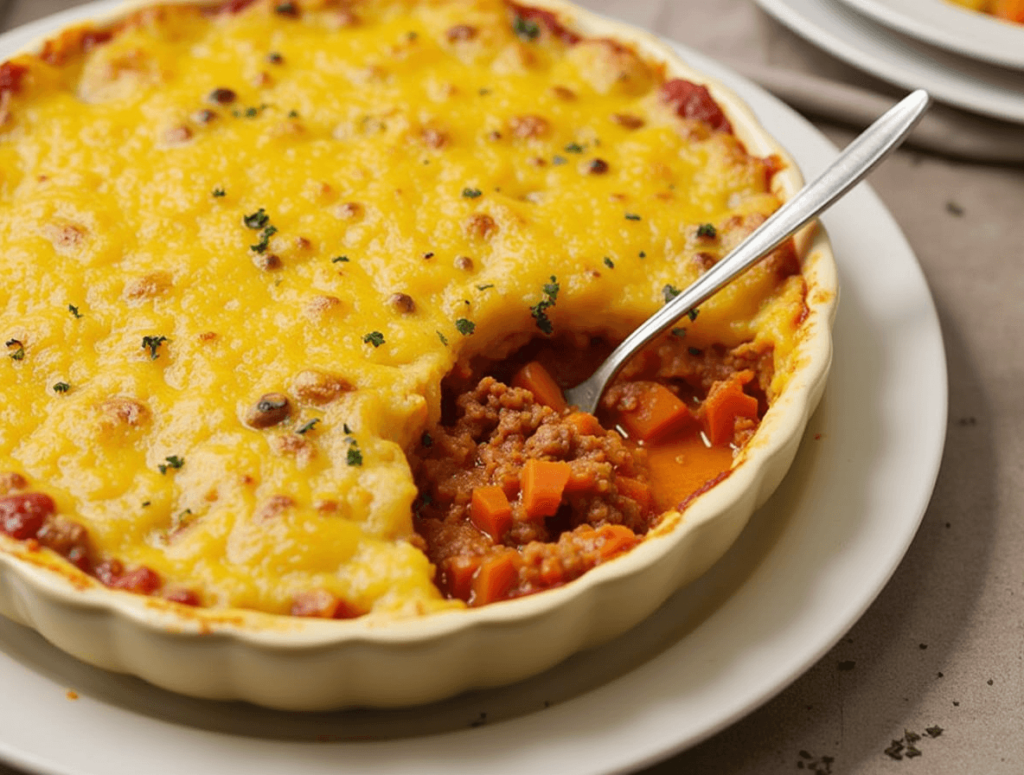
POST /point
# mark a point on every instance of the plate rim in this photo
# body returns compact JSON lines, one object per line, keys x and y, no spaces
{"x":653,"y":750}
{"x":873,"y":48}
{"x":955,"y":28}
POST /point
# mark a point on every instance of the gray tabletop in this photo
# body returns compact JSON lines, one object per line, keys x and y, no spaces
{"x":943,"y":645}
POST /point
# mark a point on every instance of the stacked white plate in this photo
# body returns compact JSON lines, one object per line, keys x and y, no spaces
{"x":966,"y":59}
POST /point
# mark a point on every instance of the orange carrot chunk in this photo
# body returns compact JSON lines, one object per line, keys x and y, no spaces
{"x":490,"y":511}
{"x":635,"y":490}
{"x":658,"y":412}
{"x":725,"y":402}
{"x":543,"y":483}
{"x":585,"y":424}
{"x":494,"y":579}
{"x":458,"y":576}
{"x":535,"y":378}
{"x":613,"y":539}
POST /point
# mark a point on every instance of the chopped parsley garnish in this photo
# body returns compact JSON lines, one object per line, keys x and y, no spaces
{"x":74,"y":310}
{"x":426,"y":439}
{"x":465,"y":327}
{"x":443,"y":339}
{"x":257,"y":220}
{"x":264,"y":243}
{"x":540,"y":309}
{"x":559,"y":160}
{"x":680,"y":332}
{"x":339,"y":260}
{"x":354,"y":456}
{"x":693,"y":314}
{"x":670,"y":292}
{"x":632,"y":217}
{"x":152,"y":343}
{"x":219,"y":192}
{"x":376,"y":338}
{"x":574,"y":148}
{"x":642,"y":254}
{"x":525,"y":28}
{"x":147,"y":504}
{"x":293,"y":114}
{"x":61,"y":387}
{"x":344,"y":427}
{"x":485,"y":287}
{"x":694,"y":351}
{"x":19,"y":353}
{"x":286,"y":9}
{"x":471,"y":193}
{"x":275,"y":58}
{"x":307,"y":427}
{"x":173,"y":462}
{"x":609,"y":263}
{"x":707,"y":230}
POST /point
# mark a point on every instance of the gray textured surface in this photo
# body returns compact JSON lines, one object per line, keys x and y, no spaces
{"x":955,"y":606}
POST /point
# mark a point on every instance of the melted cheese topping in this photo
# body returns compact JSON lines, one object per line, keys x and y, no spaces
{"x":426,"y":171}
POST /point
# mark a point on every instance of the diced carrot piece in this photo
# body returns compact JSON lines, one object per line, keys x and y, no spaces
{"x":542,"y":485}
{"x":585,"y":424}
{"x":490,"y":511}
{"x":494,"y":579}
{"x":458,"y":576}
{"x":535,"y":378}
{"x":658,"y":412}
{"x":725,"y":402}
{"x":635,"y":490}
{"x":614,"y":539}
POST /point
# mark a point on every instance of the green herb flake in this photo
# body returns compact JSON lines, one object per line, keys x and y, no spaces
{"x":257,"y":220}
{"x":19,"y":353}
{"x":307,"y":427}
{"x":707,"y":231}
{"x":173,"y":462}
{"x":573,"y":148}
{"x":344,"y":427}
{"x":61,"y":387}
{"x":471,"y":193}
{"x":643,"y":254}
{"x":426,"y":439}
{"x":559,"y":160}
{"x":354,"y":456}
{"x":443,"y":339}
{"x":524,"y":28}
{"x":539,"y":310}
{"x":694,"y":351}
{"x":934,"y":731}
{"x":264,"y":243}
{"x":670,"y":292}
{"x":74,"y":311}
{"x":339,"y":260}
{"x":485,"y":287}
{"x":633,"y":217}
{"x":465,"y":327}
{"x":609,"y":263}
{"x":376,"y":338}
{"x":147,"y":504}
{"x":152,"y":343}
{"x":293,"y":114}
{"x":680,"y":332}
{"x":692,"y":314}
{"x":219,"y":192}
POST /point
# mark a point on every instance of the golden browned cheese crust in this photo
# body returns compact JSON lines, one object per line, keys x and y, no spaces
{"x":242,"y":245}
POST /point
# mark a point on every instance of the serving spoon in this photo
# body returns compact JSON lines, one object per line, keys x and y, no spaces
{"x":849,"y":168}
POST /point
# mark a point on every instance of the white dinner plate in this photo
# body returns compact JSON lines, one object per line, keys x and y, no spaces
{"x":950,"y":26}
{"x":992,"y":91}
{"x":804,"y":570}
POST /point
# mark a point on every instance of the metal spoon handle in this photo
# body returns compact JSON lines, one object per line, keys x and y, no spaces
{"x":849,"y":168}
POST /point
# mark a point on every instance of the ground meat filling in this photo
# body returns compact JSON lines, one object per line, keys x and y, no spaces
{"x":497,"y":431}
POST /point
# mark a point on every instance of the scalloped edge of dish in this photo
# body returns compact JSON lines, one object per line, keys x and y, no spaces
{"x":294,"y":664}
